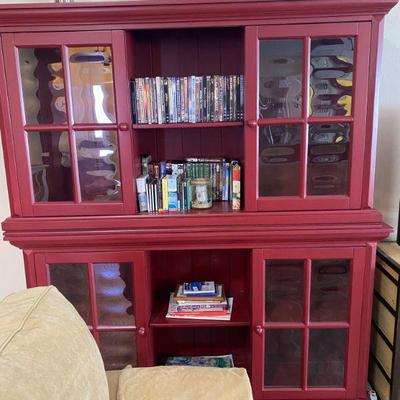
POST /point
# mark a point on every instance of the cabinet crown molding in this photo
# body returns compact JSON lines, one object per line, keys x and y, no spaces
{"x":145,"y":13}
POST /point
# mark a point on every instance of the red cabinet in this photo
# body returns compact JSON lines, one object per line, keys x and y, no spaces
{"x":297,"y":257}
{"x":71,"y":122}
{"x":307,"y":317}
{"x":107,"y":290}
{"x":305,"y":132}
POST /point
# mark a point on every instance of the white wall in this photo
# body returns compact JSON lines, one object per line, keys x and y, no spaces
{"x":387,"y":178}
{"x":387,"y":193}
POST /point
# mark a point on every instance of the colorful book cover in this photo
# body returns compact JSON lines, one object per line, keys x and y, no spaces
{"x":223,"y":361}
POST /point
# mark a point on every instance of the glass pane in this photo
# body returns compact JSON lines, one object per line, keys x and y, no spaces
{"x":328,"y":159}
{"x":279,"y":160}
{"x":50,"y":161}
{"x":92,"y":84}
{"x":98,"y":162}
{"x":42,"y":79}
{"x":72,"y":281}
{"x":118,"y":349}
{"x":331,"y":76}
{"x":284,"y":297}
{"x":329,"y":290}
{"x":280,"y":78}
{"x":326,"y":358}
{"x":114,"y":294}
{"x":283,"y":357}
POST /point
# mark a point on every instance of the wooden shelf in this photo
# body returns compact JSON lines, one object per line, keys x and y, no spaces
{"x":217,"y":208}
{"x":188,"y":125}
{"x":240,"y":317}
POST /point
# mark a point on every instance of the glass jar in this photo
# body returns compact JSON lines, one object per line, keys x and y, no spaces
{"x":201,"y":193}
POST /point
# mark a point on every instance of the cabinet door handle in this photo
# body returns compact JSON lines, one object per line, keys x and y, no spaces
{"x":259,"y":330}
{"x":251,"y":123}
{"x":123,"y":126}
{"x":142,"y":331}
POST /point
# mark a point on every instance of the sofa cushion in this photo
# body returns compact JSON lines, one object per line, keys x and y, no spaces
{"x":113,"y":381}
{"x":182,"y":383}
{"x":46,"y":350}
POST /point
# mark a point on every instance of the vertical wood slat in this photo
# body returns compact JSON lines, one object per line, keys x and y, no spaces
{"x":306,"y":338}
{"x":305,"y":112}
{"x":250,"y":114}
{"x":123,"y":108}
{"x":8,"y":141}
{"x":70,"y":121}
{"x":93,"y":301}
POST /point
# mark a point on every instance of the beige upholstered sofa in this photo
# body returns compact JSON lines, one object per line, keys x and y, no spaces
{"x":48,"y":353}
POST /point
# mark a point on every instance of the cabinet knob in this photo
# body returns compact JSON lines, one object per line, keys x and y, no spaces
{"x":142,"y":331}
{"x":123,"y":126}
{"x":259,"y":330}
{"x":251,"y":123}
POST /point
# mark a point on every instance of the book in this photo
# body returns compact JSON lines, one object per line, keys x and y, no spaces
{"x":199,"y":288}
{"x":223,"y":361}
{"x":179,"y":295}
{"x":223,"y":315}
{"x":142,"y":193}
{"x":235,"y":185}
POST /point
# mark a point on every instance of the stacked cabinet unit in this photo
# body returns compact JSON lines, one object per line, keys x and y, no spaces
{"x":298,"y":257}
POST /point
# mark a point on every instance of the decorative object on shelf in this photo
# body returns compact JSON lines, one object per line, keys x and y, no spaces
{"x":225,"y":361}
{"x":201,"y":193}
{"x":189,"y":99}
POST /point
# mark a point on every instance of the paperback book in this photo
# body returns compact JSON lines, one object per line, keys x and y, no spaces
{"x":224,"y":361}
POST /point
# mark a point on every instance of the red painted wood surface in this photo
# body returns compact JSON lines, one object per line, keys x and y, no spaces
{"x":361,"y":33}
{"x":29,"y":207}
{"x":357,"y":255}
{"x":138,"y":263}
{"x":177,"y":37}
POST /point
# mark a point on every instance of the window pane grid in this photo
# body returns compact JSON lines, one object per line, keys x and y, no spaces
{"x":54,"y":62}
{"x":319,"y":58}
{"x":329,"y":353}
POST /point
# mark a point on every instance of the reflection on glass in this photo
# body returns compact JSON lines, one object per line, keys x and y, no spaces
{"x":331,"y":76}
{"x":328,"y":159}
{"x":42,"y":79}
{"x":280,"y":85}
{"x":326,"y":358}
{"x":50,"y":165}
{"x":92,"y":84}
{"x":283,"y":357}
{"x":329,"y":290}
{"x":279,"y":160}
{"x":114,"y":294}
{"x":72,"y":281}
{"x":98,"y":163}
{"x":284,"y":283}
{"x":118,"y":349}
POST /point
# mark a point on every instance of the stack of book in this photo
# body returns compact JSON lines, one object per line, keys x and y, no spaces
{"x":200,"y":300}
{"x":224,"y":361}
{"x":166,"y":185}
{"x":163,"y":100}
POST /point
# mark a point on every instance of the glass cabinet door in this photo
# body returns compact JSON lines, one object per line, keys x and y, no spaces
{"x":305,"y":124}
{"x":73,"y":122}
{"x":103,"y":287}
{"x":304,"y":333}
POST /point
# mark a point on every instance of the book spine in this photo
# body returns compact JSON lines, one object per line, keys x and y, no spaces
{"x":235,"y":185}
{"x":166,"y":100}
{"x":241,"y":107}
{"x":164,"y":183}
{"x":149,"y":202}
